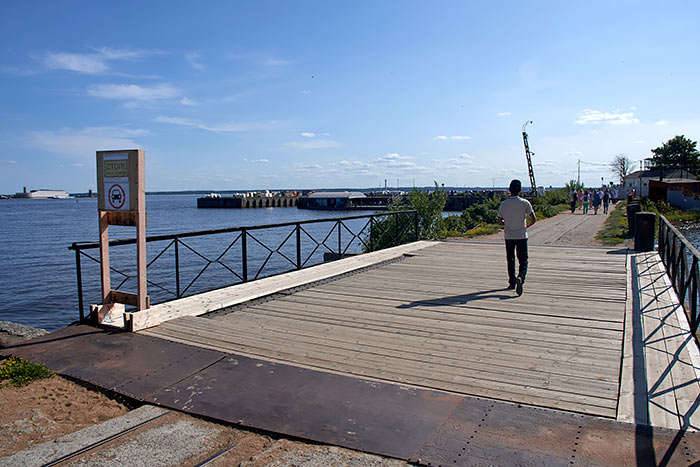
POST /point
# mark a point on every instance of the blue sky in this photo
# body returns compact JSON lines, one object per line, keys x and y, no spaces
{"x":312,"y":94}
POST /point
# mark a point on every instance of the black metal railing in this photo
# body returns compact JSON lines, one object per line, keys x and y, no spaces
{"x":298,"y":245}
{"x":681,"y":259}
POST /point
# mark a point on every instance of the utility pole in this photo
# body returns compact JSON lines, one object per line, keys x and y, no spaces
{"x":578,"y":179}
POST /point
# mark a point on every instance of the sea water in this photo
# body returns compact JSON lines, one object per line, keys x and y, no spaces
{"x":38,"y":285}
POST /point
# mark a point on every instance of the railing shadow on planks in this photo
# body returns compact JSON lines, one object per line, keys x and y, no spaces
{"x":682,"y":262}
{"x":298,"y":245}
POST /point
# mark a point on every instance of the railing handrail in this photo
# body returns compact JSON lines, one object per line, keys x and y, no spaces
{"x":680,"y":236}
{"x":197,"y":233}
{"x":396,"y":237}
{"x":684,"y":279}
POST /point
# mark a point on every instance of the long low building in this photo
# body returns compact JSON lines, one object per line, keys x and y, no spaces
{"x":43,"y":194}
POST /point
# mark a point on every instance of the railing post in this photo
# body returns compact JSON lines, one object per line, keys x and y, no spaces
{"x":244,"y":256}
{"x":396,"y":230}
{"x":298,"y":228}
{"x":177,"y":267}
{"x":371,"y":233}
{"x":340,"y":245}
{"x":79,"y":275}
{"x":694,"y":299}
{"x":415,"y":225}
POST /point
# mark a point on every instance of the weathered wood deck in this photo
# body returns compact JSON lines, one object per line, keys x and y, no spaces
{"x":442,"y":319}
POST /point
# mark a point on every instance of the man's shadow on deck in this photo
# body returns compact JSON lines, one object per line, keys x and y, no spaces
{"x":461,"y":299}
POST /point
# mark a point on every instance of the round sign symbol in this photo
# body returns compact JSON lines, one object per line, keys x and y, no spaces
{"x":116,"y":196}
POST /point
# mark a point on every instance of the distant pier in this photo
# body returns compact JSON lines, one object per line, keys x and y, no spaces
{"x":244,"y":202}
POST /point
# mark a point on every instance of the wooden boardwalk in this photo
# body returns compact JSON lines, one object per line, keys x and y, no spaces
{"x":441,"y":318}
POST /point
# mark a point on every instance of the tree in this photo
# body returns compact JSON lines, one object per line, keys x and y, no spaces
{"x":573,"y":185}
{"x":621,"y":166}
{"x":677,"y":152}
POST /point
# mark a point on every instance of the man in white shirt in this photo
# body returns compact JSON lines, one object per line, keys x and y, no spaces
{"x":517,"y":215}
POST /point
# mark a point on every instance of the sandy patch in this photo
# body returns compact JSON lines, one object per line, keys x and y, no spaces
{"x":47,"y":409}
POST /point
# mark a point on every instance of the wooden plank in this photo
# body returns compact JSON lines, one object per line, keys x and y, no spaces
{"x":437,"y":317}
{"x":685,"y":364}
{"x":662,"y":403}
{"x":229,"y":296}
{"x":517,"y":357}
{"x":533,"y":337}
{"x":446,"y":381}
{"x":459,"y":313}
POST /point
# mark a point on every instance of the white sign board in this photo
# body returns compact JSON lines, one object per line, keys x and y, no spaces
{"x":116,"y":181}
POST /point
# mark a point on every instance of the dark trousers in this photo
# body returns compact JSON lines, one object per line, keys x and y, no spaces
{"x":519,"y":246}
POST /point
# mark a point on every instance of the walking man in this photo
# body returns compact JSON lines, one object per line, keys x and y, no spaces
{"x":517,"y":215}
{"x":573,"y":197}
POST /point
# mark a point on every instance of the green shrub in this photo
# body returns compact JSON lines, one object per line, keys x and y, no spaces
{"x":19,"y":372}
{"x":454,"y":224}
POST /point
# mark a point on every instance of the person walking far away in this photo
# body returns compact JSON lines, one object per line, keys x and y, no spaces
{"x":516,"y":214}
{"x":573,"y":197}
{"x":585,"y":202}
{"x":596,"y":201}
{"x":606,"y":201}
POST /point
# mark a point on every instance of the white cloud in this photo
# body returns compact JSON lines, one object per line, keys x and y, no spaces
{"x":232,"y":127}
{"x":76,"y":62}
{"x":307,"y":134}
{"x":504,"y":114}
{"x":84,"y":143}
{"x":193,"y":60}
{"x":662,"y":122}
{"x":133,"y":92}
{"x":596,"y":117}
{"x":447,"y":138}
{"x":259,"y":161}
{"x":90,"y":63}
{"x":305,"y":91}
{"x":12,"y":162}
{"x":316,"y":144}
{"x":188,"y":101}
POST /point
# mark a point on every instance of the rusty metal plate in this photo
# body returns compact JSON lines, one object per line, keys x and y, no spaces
{"x":350,"y":412}
{"x":124,"y":362}
{"x":482,"y":432}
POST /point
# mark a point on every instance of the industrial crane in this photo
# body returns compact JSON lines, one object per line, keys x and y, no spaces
{"x":529,"y":155}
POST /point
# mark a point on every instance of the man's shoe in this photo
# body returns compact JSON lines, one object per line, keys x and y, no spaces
{"x":510,"y":287}
{"x":519,"y":286}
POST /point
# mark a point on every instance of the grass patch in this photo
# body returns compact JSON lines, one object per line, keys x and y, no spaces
{"x":486,"y":229}
{"x":615,"y":230}
{"x":19,"y":372}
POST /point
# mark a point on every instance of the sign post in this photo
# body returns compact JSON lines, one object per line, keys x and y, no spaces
{"x":121,"y":200}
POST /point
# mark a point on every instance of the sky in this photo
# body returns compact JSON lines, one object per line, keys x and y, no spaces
{"x":245,"y":95}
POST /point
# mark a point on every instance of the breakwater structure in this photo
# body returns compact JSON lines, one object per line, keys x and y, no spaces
{"x":407,"y":353}
{"x":250,"y":200}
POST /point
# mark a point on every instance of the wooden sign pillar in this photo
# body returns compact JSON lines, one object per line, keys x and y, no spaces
{"x":121,"y":200}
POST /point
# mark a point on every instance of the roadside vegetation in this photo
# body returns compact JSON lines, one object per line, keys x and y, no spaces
{"x":478,"y":219}
{"x":19,"y":372}
{"x":615,"y":230}
{"x":673,"y":214}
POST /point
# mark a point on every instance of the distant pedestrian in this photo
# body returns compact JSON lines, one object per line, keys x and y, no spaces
{"x":596,"y":201}
{"x":573,"y":196}
{"x":606,"y":201}
{"x":584,"y":201}
{"x":614,"y":195}
{"x":517,"y":215}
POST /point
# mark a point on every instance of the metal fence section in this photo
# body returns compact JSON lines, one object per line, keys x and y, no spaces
{"x":187,"y":263}
{"x":681,"y":259}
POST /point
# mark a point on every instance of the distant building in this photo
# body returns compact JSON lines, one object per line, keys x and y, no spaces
{"x":639,"y":180}
{"x":332,"y":200}
{"x":43,"y":194}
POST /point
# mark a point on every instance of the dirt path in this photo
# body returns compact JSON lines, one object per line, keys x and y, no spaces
{"x":562,"y":229}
